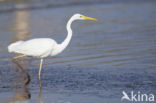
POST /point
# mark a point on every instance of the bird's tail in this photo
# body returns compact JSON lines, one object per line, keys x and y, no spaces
{"x":13,"y":46}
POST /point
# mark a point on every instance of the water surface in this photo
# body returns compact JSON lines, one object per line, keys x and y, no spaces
{"x":104,"y":58}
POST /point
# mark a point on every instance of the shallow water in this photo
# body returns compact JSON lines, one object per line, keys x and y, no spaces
{"x":104,"y":58}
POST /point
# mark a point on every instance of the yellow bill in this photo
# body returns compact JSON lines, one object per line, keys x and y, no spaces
{"x":89,"y":18}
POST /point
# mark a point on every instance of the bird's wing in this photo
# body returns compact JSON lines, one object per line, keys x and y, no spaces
{"x":36,"y":47}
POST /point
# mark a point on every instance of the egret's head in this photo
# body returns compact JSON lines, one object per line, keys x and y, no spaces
{"x":82,"y":17}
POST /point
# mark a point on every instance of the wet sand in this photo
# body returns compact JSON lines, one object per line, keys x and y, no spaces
{"x":104,"y":58}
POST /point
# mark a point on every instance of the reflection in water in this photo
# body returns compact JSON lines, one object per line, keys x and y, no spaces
{"x":22,"y":93}
{"x":22,"y":73}
{"x":21,"y":32}
{"x":40,"y":94}
{"x":21,"y":25}
{"x":21,"y":96}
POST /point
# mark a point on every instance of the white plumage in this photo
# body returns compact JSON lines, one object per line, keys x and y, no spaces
{"x":43,"y":47}
{"x":40,"y":47}
{"x":13,"y":45}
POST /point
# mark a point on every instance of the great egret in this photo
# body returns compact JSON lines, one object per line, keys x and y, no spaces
{"x":43,"y":47}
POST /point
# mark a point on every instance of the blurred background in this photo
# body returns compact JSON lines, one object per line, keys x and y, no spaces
{"x":103,"y":58}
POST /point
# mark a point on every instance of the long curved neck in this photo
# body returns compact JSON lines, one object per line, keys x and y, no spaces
{"x":65,"y":43}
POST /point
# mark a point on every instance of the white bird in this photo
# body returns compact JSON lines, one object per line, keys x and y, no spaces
{"x":43,"y":47}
